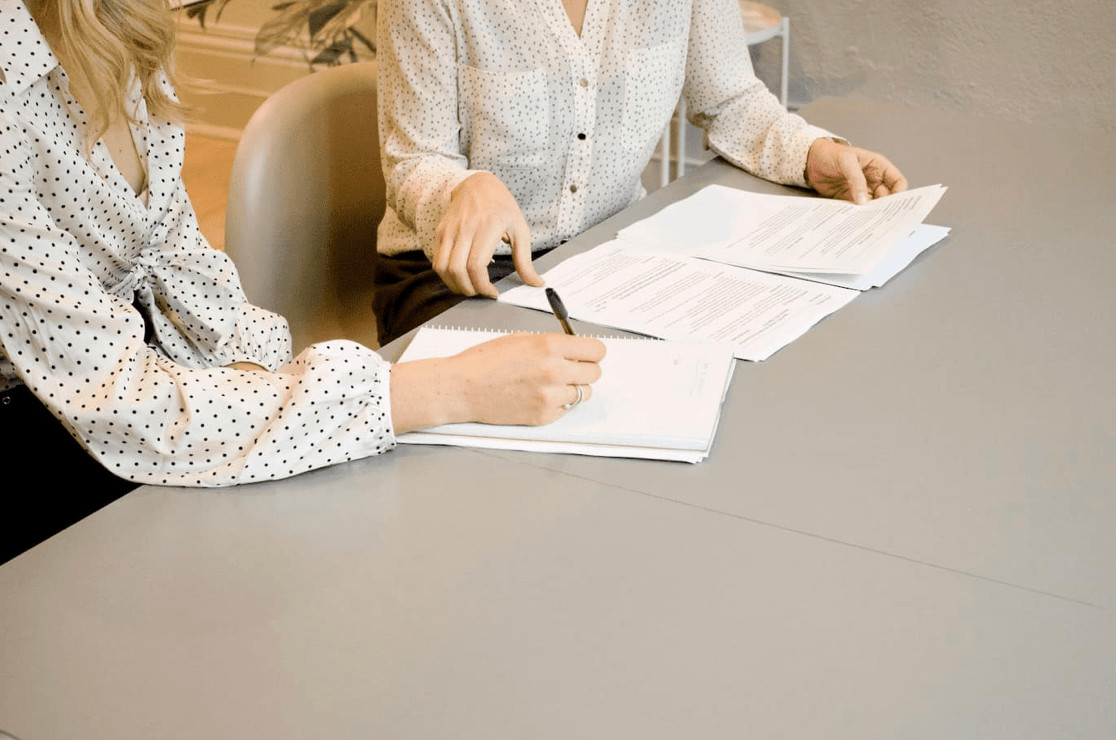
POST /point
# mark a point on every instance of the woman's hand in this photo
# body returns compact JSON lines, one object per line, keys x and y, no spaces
{"x":481,"y":213}
{"x":841,"y":171}
{"x":514,"y":379}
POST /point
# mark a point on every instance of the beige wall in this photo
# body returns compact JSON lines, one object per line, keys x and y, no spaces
{"x":247,"y":12}
{"x":1051,"y":63}
{"x":1027,"y":60}
{"x":228,"y":81}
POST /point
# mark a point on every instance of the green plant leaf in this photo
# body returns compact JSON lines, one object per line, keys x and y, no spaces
{"x":318,"y":17}
{"x":201,"y":10}
{"x":322,"y":27}
{"x":362,"y":39}
{"x":331,"y":55}
{"x":284,"y":28}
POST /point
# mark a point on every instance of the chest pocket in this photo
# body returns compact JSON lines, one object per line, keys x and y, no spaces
{"x":653,"y":79}
{"x":505,"y":118}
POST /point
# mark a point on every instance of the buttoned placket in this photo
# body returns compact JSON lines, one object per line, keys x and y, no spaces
{"x":582,"y":77}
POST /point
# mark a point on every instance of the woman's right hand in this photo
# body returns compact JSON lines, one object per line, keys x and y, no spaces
{"x":481,"y":213}
{"x":514,"y":379}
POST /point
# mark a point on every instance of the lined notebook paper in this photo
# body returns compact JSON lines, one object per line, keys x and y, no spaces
{"x":655,"y":400}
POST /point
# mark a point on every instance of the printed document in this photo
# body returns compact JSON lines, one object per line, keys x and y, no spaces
{"x":678,"y":297}
{"x":785,"y":233}
{"x":924,"y":237}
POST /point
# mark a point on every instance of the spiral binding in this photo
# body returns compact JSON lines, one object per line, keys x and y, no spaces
{"x":501,"y":332}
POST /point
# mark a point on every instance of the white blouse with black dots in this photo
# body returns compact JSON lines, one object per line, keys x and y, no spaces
{"x":568,"y":123}
{"x":118,"y":315}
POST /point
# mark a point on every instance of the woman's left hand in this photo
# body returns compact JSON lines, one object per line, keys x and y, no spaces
{"x":839,"y":170}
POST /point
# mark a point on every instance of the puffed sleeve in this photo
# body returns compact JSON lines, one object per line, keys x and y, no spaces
{"x":192,"y":297}
{"x":419,"y":129}
{"x":744,"y":122}
{"x":146,"y":417}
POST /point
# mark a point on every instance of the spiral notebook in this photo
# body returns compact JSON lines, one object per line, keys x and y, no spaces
{"x":658,"y":400}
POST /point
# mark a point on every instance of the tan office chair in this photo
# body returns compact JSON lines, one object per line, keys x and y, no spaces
{"x":305,"y":196}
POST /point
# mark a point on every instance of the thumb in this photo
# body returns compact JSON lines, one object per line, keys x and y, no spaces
{"x":849,"y":164}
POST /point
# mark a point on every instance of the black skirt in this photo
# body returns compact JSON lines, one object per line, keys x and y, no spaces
{"x":61,"y":483}
{"x":409,"y":293}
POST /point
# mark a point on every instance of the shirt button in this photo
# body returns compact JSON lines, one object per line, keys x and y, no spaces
{"x":581,"y":136}
{"x":584,"y":82}
{"x":573,"y":188}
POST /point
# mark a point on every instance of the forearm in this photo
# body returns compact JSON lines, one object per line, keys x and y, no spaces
{"x":193,"y":299}
{"x":426,"y":393}
{"x":418,"y":122}
{"x":514,"y":379}
{"x":165,"y":424}
{"x":744,"y":122}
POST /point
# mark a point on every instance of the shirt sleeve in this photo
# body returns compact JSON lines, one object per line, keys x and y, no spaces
{"x":191,"y":296}
{"x":417,"y":84}
{"x":744,"y":122}
{"x":146,"y":417}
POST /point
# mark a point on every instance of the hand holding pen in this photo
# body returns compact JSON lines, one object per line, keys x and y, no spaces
{"x":563,"y":316}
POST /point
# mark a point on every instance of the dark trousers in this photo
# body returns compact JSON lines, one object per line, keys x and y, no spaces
{"x":409,"y":293}
{"x":61,"y":483}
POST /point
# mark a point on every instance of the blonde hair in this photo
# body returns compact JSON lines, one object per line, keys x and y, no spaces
{"x":109,"y":39}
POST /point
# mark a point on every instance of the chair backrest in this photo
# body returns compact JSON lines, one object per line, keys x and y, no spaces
{"x":305,"y":197}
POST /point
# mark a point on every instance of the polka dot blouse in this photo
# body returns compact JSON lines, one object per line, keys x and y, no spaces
{"x":119,"y":317}
{"x":568,"y":123}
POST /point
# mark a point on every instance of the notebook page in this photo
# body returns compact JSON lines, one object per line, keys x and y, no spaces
{"x":651,"y":394}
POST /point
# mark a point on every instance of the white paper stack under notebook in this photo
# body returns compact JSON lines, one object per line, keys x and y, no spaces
{"x":655,"y":400}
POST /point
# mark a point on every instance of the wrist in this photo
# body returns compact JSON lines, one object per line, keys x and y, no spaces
{"x":427,"y":393}
{"x":479,"y":178}
{"x":816,"y":150}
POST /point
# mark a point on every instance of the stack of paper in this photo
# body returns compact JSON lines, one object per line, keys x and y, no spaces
{"x":654,"y":400}
{"x":784,"y":233}
{"x":748,"y":270}
{"x":685,"y":298}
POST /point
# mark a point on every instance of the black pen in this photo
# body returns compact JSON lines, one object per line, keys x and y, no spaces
{"x":559,"y":310}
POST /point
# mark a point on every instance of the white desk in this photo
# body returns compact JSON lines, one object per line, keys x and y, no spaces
{"x":944,"y":567}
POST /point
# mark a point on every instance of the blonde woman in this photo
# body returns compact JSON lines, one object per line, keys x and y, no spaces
{"x":128,"y":353}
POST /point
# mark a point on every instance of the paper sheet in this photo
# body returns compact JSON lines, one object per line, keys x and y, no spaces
{"x":567,"y":448}
{"x":780,"y":233}
{"x":684,"y":298}
{"x":656,"y":400}
{"x":924,"y":237}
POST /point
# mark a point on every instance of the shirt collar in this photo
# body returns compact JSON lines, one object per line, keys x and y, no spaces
{"x":25,"y":56}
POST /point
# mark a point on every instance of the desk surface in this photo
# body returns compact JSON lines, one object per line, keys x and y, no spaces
{"x":904,"y":530}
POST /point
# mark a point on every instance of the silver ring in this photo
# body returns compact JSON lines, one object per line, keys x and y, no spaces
{"x":576,"y":401}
